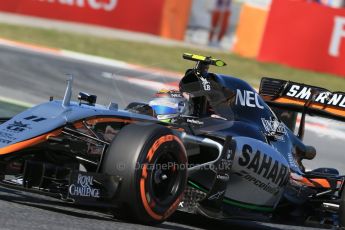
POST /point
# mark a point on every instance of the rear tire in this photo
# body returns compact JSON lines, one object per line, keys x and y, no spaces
{"x":152,"y":163}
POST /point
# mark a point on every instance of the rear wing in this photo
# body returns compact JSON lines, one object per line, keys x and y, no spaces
{"x":300,"y":97}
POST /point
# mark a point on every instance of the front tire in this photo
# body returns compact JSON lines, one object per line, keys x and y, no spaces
{"x":152,"y":163}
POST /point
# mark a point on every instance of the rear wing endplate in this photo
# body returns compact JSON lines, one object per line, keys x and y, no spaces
{"x":298,"y":97}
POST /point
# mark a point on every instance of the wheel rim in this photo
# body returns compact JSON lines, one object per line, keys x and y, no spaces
{"x":165,"y":178}
{"x":161,"y":188}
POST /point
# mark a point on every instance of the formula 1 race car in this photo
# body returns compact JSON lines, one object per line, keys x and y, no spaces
{"x":235,"y":156}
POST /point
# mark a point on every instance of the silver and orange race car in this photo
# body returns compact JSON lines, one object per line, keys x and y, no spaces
{"x":235,"y":155}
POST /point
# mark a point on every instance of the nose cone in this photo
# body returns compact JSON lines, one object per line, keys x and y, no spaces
{"x":32,"y":123}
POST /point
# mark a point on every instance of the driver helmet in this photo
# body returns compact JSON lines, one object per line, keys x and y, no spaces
{"x":168,"y":105}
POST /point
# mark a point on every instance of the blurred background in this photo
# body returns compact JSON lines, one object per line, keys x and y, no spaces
{"x":306,"y":34}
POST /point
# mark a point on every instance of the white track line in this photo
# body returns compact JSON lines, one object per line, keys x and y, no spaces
{"x":147,"y":84}
{"x":15,"y":102}
{"x":88,"y":58}
{"x":94,"y":59}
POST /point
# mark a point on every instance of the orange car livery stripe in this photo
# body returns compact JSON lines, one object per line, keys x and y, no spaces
{"x":315,"y":182}
{"x":27,"y":143}
{"x":107,"y":119}
{"x":94,"y":121}
{"x":321,"y":182}
{"x":328,"y":108}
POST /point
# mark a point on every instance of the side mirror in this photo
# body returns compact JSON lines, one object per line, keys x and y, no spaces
{"x":90,"y":99}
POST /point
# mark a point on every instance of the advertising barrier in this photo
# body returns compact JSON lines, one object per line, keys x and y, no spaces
{"x":135,"y":15}
{"x":305,"y":35}
{"x":249,"y":30}
{"x":175,"y":19}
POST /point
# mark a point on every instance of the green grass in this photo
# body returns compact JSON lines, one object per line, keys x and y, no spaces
{"x":9,"y":110}
{"x":165,"y":57}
